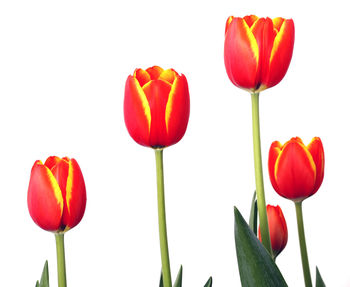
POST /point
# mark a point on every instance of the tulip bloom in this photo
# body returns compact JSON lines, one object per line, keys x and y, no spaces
{"x":156,"y":106}
{"x":258,"y":51}
{"x":278,"y":229}
{"x":56,"y":194}
{"x":296,"y":171}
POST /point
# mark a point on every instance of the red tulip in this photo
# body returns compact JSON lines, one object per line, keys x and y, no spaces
{"x":56,"y":194}
{"x":296,"y":171}
{"x":156,"y":106}
{"x":278,"y":229}
{"x":258,"y":51}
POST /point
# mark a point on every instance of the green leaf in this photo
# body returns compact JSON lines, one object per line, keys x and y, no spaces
{"x":44,"y":281}
{"x":256,"y":267}
{"x":209,"y":282}
{"x":253,"y":218}
{"x":37,"y":284}
{"x":161,"y":279}
{"x":178,"y":281}
{"x":319,"y":280}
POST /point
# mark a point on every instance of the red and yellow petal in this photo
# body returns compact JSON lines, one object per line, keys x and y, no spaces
{"x":278,"y":228}
{"x":137,"y":112}
{"x":142,"y":77}
{"x":274,"y":152}
{"x":157,"y":93}
{"x":316,"y":150}
{"x":45,"y":201}
{"x":168,"y":75}
{"x":177,"y":110}
{"x":154,"y":72}
{"x":295,"y":171}
{"x":75,"y":196}
{"x":241,"y":53}
{"x":281,"y":54}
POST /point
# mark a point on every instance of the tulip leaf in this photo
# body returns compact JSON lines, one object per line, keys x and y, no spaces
{"x":319,"y":280}
{"x":178,"y":281}
{"x":253,"y":218}
{"x":256,"y":267}
{"x":209,"y":282}
{"x":44,"y":281}
{"x":161,"y":280}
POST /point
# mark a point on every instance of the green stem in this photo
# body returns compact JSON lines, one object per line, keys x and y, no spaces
{"x":163,"y":239}
{"x":61,"y":261}
{"x":302,"y":243}
{"x":260,"y":194}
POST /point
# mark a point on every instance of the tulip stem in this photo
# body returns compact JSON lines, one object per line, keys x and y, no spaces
{"x":302,"y":243}
{"x":259,"y":181}
{"x":163,"y":239}
{"x":61,"y":261}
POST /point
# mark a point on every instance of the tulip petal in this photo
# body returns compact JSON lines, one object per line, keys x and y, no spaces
{"x":177,"y":110}
{"x":295,"y":171}
{"x":274,"y":152}
{"x":316,"y":150}
{"x":45,"y":201}
{"x":51,"y":161}
{"x":241,"y":54}
{"x":250,"y":20}
{"x":142,"y":76}
{"x":281,"y":54}
{"x":154,"y":72}
{"x":137,"y":112}
{"x":168,"y":75}
{"x":75,"y":196}
{"x":157,"y":93}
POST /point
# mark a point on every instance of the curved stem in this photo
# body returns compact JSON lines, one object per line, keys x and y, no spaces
{"x":302,"y":243}
{"x":163,"y":239}
{"x":259,"y":181}
{"x":61,"y":261}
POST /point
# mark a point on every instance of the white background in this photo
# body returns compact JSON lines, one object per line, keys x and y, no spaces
{"x":63,"y":66}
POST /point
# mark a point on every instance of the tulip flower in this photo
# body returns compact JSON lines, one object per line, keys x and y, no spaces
{"x":296,"y":171}
{"x":56,"y":194}
{"x":56,"y":201}
{"x":258,"y":51}
{"x":156,"y":106}
{"x":278,"y":229}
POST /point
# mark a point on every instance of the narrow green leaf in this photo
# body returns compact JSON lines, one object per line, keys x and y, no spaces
{"x":178,"y":281}
{"x":161,"y":279}
{"x":319,"y":280}
{"x":209,"y":282}
{"x":44,"y":281}
{"x":37,"y":284}
{"x":256,"y":267}
{"x":253,"y":218}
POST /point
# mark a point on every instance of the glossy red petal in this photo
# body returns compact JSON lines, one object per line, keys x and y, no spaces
{"x":241,"y":53}
{"x":177,"y":110}
{"x":157,"y":93}
{"x":45,"y":202}
{"x":142,"y":77}
{"x":75,"y":196}
{"x":317,"y":152}
{"x":281,"y":54}
{"x":250,"y":20}
{"x":51,"y":161}
{"x":295,"y":172}
{"x":268,"y":37}
{"x":137,"y":112}
{"x":274,"y":152}
{"x":278,"y":229}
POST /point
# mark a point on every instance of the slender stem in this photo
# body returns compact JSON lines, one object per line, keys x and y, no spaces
{"x":61,"y":261}
{"x":264,"y":226}
{"x":163,"y":239}
{"x":302,"y":243}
